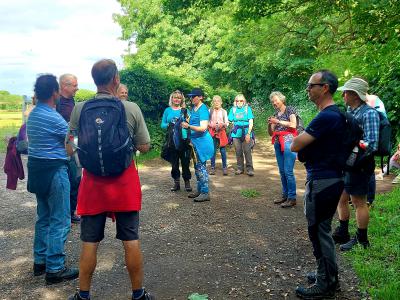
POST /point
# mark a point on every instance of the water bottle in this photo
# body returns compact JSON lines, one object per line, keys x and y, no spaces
{"x":352,"y":158}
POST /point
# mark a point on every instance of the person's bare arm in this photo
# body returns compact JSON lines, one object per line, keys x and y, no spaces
{"x":301,"y":141}
{"x":143,"y":148}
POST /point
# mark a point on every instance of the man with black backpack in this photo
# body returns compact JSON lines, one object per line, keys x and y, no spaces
{"x":108,"y":130}
{"x":318,"y":147}
{"x":357,"y":176}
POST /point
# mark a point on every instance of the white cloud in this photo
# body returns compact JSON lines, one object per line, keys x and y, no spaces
{"x":47,"y":36}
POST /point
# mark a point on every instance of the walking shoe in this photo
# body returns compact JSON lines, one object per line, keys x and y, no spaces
{"x":202,"y":197}
{"x":340,"y":237}
{"x":289,"y":203}
{"x":63,"y":275}
{"x":279,"y":201}
{"x":238,"y":172}
{"x":225,"y":171}
{"x":147,"y":296}
{"x":396,"y":179}
{"x":77,"y":297}
{"x":312,"y":278}
{"x":314,"y":292}
{"x":39,"y":269}
{"x":194,"y":195}
{"x":188,"y":188}
{"x":250,"y":173}
{"x":212,"y":171}
{"x":354,"y":241}
{"x":176,"y":186}
{"x":75,"y":219}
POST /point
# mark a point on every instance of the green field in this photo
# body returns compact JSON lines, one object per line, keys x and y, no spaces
{"x":10,"y":122}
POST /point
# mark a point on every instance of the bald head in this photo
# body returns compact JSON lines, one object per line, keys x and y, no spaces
{"x":104,"y":71}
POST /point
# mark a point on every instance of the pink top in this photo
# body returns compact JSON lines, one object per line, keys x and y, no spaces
{"x":218,"y":116}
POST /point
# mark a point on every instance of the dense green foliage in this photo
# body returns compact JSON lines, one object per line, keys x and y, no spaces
{"x":9,"y":101}
{"x":256,"y":47}
{"x":83,"y":95}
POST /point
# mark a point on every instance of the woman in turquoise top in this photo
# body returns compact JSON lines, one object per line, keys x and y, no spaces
{"x":202,"y":143}
{"x":242,"y":117}
{"x":171,"y":115}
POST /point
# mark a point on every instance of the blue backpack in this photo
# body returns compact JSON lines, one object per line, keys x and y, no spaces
{"x":105,"y":146}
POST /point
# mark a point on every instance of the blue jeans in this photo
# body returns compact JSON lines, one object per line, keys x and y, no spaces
{"x":53,"y":223}
{"x":202,"y":177}
{"x":222,"y":150}
{"x":286,"y":161}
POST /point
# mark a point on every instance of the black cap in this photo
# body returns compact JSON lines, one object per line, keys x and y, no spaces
{"x":196,"y":92}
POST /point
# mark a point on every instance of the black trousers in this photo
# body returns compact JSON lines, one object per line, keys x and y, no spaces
{"x":320,"y":201}
{"x":184,"y":157}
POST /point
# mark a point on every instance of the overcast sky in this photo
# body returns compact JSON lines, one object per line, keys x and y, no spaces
{"x":56,"y":36}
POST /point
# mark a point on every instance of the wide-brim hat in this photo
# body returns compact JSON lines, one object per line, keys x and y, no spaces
{"x":196,"y":92}
{"x":358,"y":85}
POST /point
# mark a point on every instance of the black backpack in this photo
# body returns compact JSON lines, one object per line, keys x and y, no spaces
{"x":385,"y":134}
{"x":105,"y":146}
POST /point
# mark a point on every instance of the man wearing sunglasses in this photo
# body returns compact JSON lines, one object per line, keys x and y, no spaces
{"x":317,"y":146}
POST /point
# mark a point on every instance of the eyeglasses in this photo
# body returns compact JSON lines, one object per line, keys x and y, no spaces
{"x":309,"y":86}
{"x":239,"y":101}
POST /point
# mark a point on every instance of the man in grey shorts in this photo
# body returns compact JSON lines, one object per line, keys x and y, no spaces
{"x":318,"y":146}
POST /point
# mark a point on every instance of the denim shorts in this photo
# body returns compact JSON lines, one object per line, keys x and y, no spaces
{"x":92,"y":227}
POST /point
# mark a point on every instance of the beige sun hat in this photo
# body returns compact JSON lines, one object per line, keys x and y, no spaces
{"x":358,"y":85}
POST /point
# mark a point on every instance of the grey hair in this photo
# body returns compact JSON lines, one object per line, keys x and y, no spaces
{"x":278,"y":94}
{"x":215,"y":98}
{"x":64,"y":78}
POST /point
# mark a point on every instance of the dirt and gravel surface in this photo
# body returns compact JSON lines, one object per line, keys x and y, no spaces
{"x":232,"y":247}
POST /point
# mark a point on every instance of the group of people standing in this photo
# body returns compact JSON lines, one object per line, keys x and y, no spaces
{"x":196,"y":134}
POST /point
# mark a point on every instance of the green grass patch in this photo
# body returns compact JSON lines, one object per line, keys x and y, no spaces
{"x":379,"y":267}
{"x":250,"y":193}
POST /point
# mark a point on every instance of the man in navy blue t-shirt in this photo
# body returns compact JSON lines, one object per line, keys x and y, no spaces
{"x":318,"y":147}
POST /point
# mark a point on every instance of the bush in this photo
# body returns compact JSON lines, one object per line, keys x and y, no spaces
{"x":83,"y":95}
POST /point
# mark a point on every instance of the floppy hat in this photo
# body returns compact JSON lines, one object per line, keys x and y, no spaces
{"x":358,"y":85}
{"x":196,"y":92}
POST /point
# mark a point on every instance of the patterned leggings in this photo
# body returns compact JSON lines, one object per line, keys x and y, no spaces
{"x":202,"y":177}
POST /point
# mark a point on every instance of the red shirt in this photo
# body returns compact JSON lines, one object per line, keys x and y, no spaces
{"x":99,"y":194}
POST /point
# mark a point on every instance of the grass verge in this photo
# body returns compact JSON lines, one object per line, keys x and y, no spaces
{"x":379,"y":267}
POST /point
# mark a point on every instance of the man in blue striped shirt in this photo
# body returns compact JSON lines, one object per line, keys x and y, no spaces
{"x":48,"y":179}
{"x":356,"y":180}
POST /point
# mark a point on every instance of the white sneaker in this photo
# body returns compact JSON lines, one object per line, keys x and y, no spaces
{"x":396,"y":179}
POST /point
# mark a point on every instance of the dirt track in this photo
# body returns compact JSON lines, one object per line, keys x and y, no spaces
{"x":229,"y":248}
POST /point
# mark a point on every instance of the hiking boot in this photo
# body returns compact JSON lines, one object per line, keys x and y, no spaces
{"x":177,"y":186}
{"x":188,"y":188}
{"x":238,"y":172}
{"x":225,"y":171}
{"x":314,"y":292}
{"x":339,"y":236}
{"x":194,"y":195}
{"x":63,"y":275}
{"x":279,"y":201}
{"x":354,"y":241}
{"x":39,"y":269}
{"x":212,"y":171}
{"x":312,"y":278}
{"x":202,"y":197}
{"x":75,"y":219}
{"x":250,"y":173}
{"x":77,"y":297}
{"x":288,"y":203}
{"x":147,"y":296}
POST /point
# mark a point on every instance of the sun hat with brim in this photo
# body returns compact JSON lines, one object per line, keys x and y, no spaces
{"x":196,"y":92}
{"x":357,"y":85}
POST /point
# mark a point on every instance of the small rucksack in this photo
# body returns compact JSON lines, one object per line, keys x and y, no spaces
{"x":105,"y":146}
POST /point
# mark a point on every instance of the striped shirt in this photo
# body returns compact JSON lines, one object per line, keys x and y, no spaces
{"x":369,"y":122}
{"x":46,"y":130}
